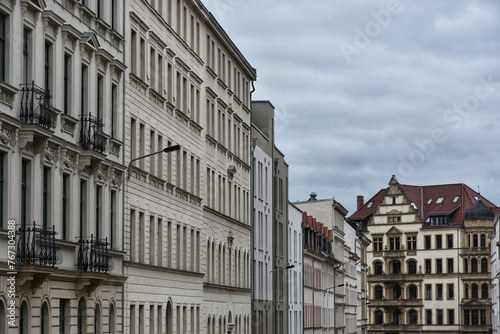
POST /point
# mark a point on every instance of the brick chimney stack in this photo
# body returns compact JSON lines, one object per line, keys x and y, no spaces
{"x":361,"y":201}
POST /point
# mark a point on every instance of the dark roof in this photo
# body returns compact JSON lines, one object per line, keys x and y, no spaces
{"x":479,"y":211}
{"x":454,"y":200}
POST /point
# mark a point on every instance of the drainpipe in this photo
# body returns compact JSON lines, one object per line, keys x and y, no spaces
{"x":252,"y":215}
{"x":314,"y":319}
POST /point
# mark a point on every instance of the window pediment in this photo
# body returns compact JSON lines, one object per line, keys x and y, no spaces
{"x":394,"y":231}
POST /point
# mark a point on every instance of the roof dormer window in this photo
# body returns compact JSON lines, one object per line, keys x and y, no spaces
{"x":440,"y":200}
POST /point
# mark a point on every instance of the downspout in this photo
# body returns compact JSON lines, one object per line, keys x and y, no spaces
{"x":314,"y":319}
{"x":124,"y":290}
{"x":252,"y":215}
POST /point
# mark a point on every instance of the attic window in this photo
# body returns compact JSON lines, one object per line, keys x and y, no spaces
{"x":429,"y":201}
{"x":413,"y":205}
{"x":439,"y":200}
{"x":477,"y":198}
{"x":369,"y":205}
{"x":456,"y":199}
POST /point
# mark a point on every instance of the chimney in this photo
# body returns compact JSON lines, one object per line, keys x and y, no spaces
{"x":361,"y":201}
{"x":312,"y":197}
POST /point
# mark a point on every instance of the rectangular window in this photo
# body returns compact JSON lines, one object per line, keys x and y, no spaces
{"x":192,"y":172}
{"x":439,"y":241}
{"x":141,"y":319}
{"x":3,"y":205}
{"x":427,"y":242}
{"x":66,"y":202}
{"x":25,"y":192}
{"x":451,"y":317}
{"x":428,"y":317}
{"x":114,"y":111}
{"x":142,"y":145}
{"x":152,"y":240}
{"x":439,"y":291}
{"x":412,"y":243}
{"x":100,"y":97}
{"x":170,"y":240}
{"x":83,"y":208}
{"x":48,"y":67}
{"x":170,"y":84}
{"x":152,"y":319}
{"x":84,"y":92}
{"x":159,"y":168}
{"x":64,"y":323}
{"x":394,"y":243}
{"x":100,"y":9}
{"x":178,"y":237}
{"x":152,"y":68}
{"x":27,"y":57}
{"x":3,"y":46}
{"x":142,"y":238}
{"x":46,"y":196}
{"x":428,"y":291}
{"x":377,"y":244}
{"x":132,"y":320}
{"x":160,"y":232}
{"x":184,"y":170}
{"x":133,"y":139}
{"x":98,"y":212}
{"x":159,"y":68}
{"x":142,"y":58}
{"x":439,"y":317}
{"x":133,"y":236}
{"x":67,"y":87}
{"x":184,"y":247}
{"x":133,"y":50}
{"x":114,"y":14}
{"x":152,"y":162}
{"x":449,"y":238}
{"x":450,"y":265}
{"x":112,"y":220}
{"x":439,"y":266}
{"x":451,"y":291}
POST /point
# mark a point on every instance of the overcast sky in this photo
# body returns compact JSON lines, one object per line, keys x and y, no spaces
{"x":367,"y":89}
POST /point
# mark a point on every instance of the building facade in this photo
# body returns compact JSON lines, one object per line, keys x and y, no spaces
{"x":61,"y":166}
{"x":495,"y":275}
{"x":187,"y":212}
{"x":429,"y":260}
{"x":296,"y":284}
{"x":270,"y":225}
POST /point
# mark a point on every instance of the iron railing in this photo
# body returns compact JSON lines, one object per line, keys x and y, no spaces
{"x":93,"y":255}
{"x":35,"y":106}
{"x":37,"y":245}
{"x":92,"y":134}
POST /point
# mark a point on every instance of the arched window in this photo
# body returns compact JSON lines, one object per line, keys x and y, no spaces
{"x":24,"y":324}
{"x":474,"y":265}
{"x":220,"y":325}
{"x":45,"y":319}
{"x":97,"y":319}
{"x":112,"y":319}
{"x":396,"y":317}
{"x":82,"y":316}
{"x":474,"y":290}
{"x":3,"y":317}
{"x":378,"y":268}
{"x":169,"y":321}
{"x":379,"y":317}
{"x":412,"y":292}
{"x":209,"y":325}
{"x":466,"y":291}
{"x":413,"y":317}
{"x":412,"y":267}
{"x":483,"y":240}
{"x":466,"y":265}
{"x":379,"y":292}
{"x":484,"y":291}
{"x":396,"y":267}
{"x":474,"y":238}
{"x":484,"y":265}
{"x":396,"y":292}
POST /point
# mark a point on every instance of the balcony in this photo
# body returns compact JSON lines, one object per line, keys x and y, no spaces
{"x":37,"y":246}
{"x":35,"y":107}
{"x":92,"y":134}
{"x":394,"y":253}
{"x":93,"y":255}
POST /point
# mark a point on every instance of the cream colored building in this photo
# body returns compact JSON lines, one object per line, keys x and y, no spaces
{"x":61,"y":166}
{"x":187,"y":212}
{"x":429,"y":260}
{"x":495,"y":275}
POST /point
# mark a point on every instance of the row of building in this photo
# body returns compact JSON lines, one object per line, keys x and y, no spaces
{"x":141,"y":191}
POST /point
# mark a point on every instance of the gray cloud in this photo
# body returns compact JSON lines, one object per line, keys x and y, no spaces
{"x":346,"y":125}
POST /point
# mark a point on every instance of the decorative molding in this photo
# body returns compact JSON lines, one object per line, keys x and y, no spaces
{"x":8,"y":136}
{"x":68,"y":124}
{"x":7,"y":94}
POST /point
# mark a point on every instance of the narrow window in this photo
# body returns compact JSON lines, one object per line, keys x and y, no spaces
{"x":133,"y":236}
{"x":46,"y":196}
{"x":3,"y":203}
{"x":112,"y":219}
{"x":133,"y":138}
{"x":26,"y":56}
{"x":152,"y":240}
{"x":84,"y":91}
{"x":25,"y":192}
{"x":48,"y":66}
{"x":152,"y":163}
{"x":114,"y":110}
{"x":83,"y":208}
{"x":98,"y":212}
{"x":3,"y":46}
{"x":67,"y":83}
{"x":113,"y":14}
{"x":100,"y":97}
{"x":133,"y":48}
{"x":142,"y":145}
{"x":152,"y":68}
{"x":159,"y":224}
{"x":142,"y":58}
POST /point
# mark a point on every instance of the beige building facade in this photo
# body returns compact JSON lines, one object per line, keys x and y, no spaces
{"x":61,"y":166}
{"x":429,"y":260}
{"x":187,"y":212}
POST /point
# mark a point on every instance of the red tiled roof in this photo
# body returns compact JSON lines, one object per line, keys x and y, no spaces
{"x":421,"y":195}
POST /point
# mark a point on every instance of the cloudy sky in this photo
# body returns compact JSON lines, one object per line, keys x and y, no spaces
{"x":366,"y":89}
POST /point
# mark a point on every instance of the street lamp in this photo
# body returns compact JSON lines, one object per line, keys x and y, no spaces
{"x":290,"y":266}
{"x":287,"y":267}
{"x":165,"y":150}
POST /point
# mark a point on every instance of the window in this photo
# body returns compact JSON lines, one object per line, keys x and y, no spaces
{"x":427,"y":242}
{"x":412,"y":292}
{"x":474,"y":291}
{"x":483,"y":240}
{"x":396,"y":267}
{"x":27,"y":56}
{"x":64,"y":325}
{"x":450,"y":265}
{"x":25,"y":192}
{"x":474,"y":265}
{"x":451,"y":291}
{"x":428,"y":267}
{"x":412,"y":267}
{"x":3,"y":205}
{"x":428,"y":291}
{"x":484,"y":291}
{"x":456,"y":199}
{"x":396,"y":292}
{"x":439,"y":291}
{"x":48,"y":66}
{"x":114,"y":14}
{"x":439,"y":241}
{"x":379,"y":317}
{"x":133,"y":48}
{"x":394,"y":243}
{"x":377,"y":244}
{"x":483,"y":317}
{"x":439,"y":266}
{"x":449,"y":238}
{"x":428,"y":317}
{"x":413,"y":315}
{"x":484,"y":265}
{"x":3,"y":45}
{"x":411,"y":243}
{"x":112,"y":219}
{"x":466,"y":291}
{"x":378,"y":268}
{"x":439,"y":317}
{"x":429,"y":201}
{"x":397,"y":317}
{"x":46,"y":196}
{"x":67,"y":87}
{"x":439,"y":200}
{"x":474,"y":238}
{"x":82,"y":316}
{"x":451,"y":317}
{"x":114,"y":111}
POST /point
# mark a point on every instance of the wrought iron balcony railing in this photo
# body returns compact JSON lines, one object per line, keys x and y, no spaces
{"x":37,"y":245}
{"x":35,"y":106}
{"x":93,"y":255}
{"x":92,"y":134}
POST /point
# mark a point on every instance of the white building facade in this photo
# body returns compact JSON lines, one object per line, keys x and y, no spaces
{"x":495,"y":275}
{"x":61,"y":164}
{"x":187,"y":212}
{"x":295,"y":258}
